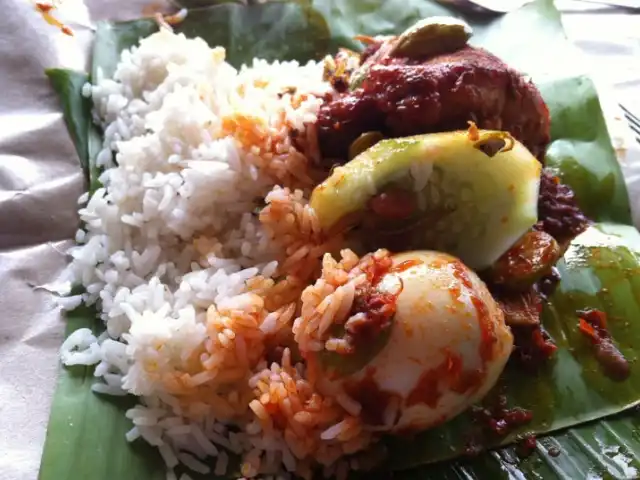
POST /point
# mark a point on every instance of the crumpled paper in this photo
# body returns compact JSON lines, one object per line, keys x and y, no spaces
{"x":40,"y":181}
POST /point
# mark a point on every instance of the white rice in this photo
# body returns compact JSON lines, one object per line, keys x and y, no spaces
{"x":173,"y":175}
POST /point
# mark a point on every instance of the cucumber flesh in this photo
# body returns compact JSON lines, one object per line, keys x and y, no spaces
{"x":477,"y":202}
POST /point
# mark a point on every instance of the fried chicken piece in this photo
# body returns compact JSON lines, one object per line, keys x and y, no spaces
{"x":401,"y":97}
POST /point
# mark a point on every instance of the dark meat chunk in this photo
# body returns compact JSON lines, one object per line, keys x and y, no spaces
{"x":533,"y":346}
{"x":593,"y":324}
{"x":341,"y":121}
{"x":558,"y":212}
{"x":548,"y":284}
{"x":521,"y":308}
{"x":498,"y":419}
{"x":401,"y":97}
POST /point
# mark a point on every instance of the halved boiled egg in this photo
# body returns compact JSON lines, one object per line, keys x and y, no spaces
{"x":447,"y":346}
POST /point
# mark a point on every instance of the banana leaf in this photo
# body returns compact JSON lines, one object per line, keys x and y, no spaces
{"x":599,"y":270}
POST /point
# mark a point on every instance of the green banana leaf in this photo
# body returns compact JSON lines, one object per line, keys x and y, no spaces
{"x":598,"y":270}
{"x":77,"y":115}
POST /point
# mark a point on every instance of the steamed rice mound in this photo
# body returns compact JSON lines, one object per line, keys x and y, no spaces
{"x":208,"y":267}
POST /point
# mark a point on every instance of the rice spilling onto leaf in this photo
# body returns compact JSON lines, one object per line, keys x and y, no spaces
{"x":196,"y":249}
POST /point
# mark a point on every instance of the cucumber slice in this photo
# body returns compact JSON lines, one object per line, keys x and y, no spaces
{"x":478,"y":191}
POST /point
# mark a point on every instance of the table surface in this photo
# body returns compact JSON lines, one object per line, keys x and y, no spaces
{"x":30,"y":254}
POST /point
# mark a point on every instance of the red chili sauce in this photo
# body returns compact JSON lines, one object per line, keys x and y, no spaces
{"x":527,"y":446}
{"x":500,"y":420}
{"x":394,"y":204}
{"x":495,"y":421}
{"x":533,"y":346}
{"x":378,"y":307}
{"x":593,"y":324}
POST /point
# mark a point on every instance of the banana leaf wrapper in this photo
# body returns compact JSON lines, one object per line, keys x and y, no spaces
{"x":85,"y":438}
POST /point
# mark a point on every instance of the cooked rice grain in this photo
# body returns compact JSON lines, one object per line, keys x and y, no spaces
{"x":197,"y":292}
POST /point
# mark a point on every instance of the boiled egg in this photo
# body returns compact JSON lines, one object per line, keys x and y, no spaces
{"x":447,"y":347}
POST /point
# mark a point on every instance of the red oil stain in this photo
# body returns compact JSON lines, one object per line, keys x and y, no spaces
{"x":487,"y":331}
{"x":427,"y":389}
{"x":449,"y":372}
{"x":406,"y":265}
{"x":460,"y":272}
{"x":468,"y":382}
